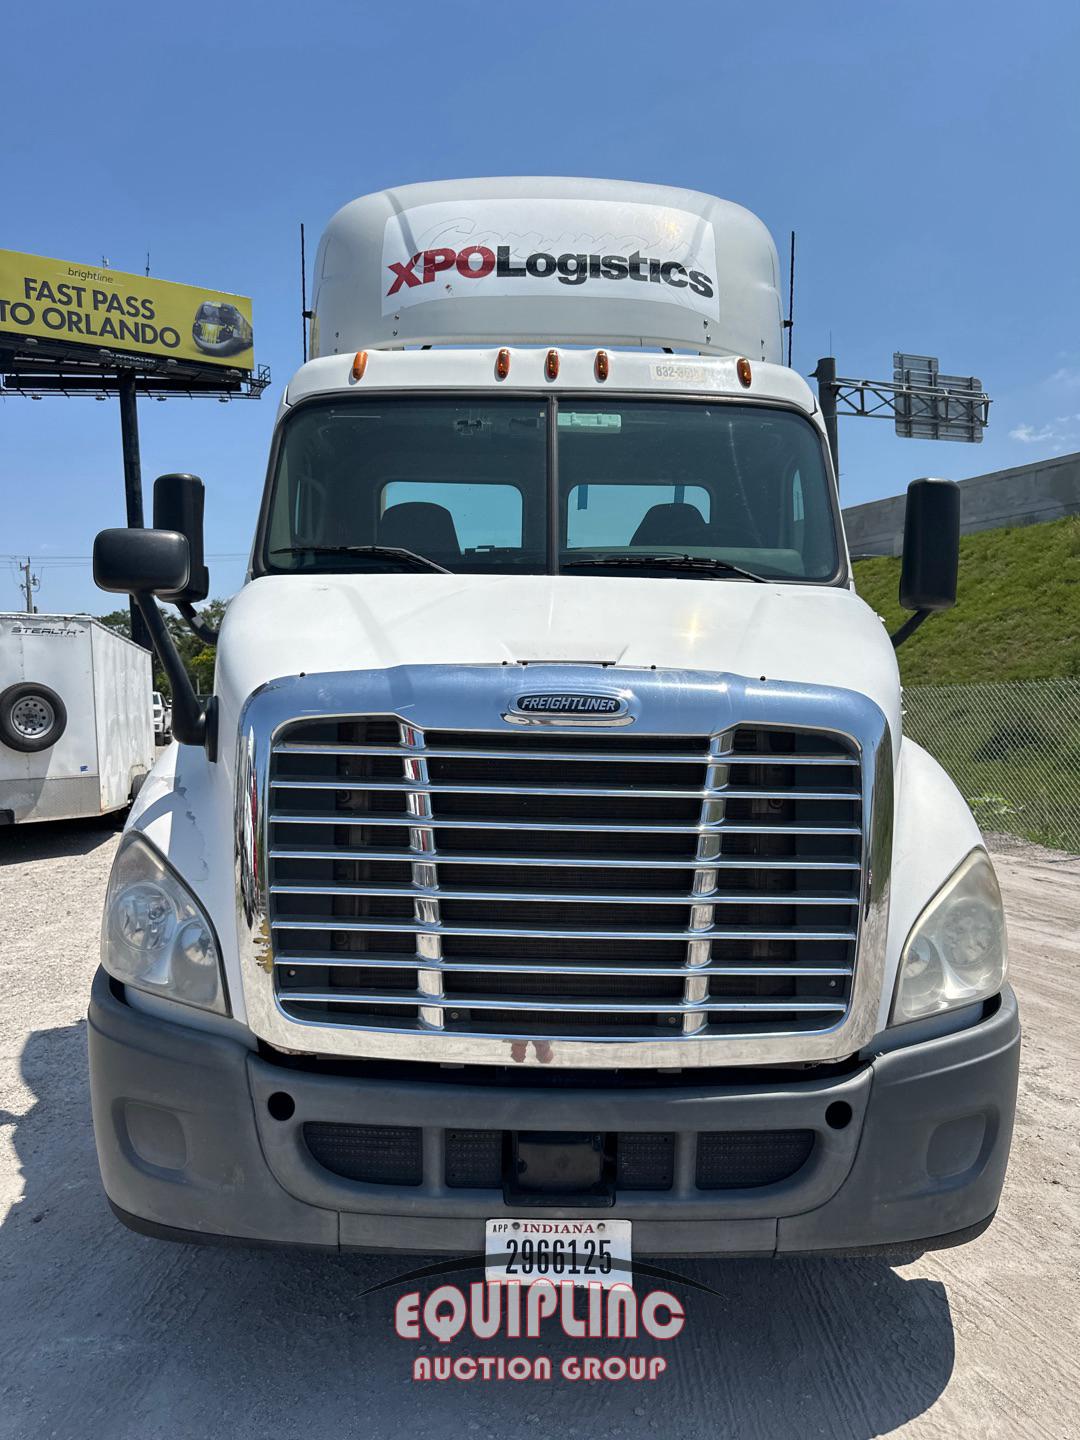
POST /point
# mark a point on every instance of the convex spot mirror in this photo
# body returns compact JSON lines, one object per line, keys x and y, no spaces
{"x":178,"y":505}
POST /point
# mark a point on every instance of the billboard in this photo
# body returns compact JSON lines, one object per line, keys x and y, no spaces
{"x":107,"y":309}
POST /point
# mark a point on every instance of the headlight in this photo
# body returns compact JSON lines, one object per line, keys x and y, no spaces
{"x":155,"y":935}
{"x":956,"y":952}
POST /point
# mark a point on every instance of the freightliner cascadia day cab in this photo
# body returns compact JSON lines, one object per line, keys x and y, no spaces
{"x":550,"y":846}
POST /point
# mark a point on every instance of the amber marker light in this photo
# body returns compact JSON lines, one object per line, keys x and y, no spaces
{"x":502,"y":364}
{"x":742,"y":369}
{"x":359,"y":364}
{"x":602,"y":365}
{"x":551,"y":365}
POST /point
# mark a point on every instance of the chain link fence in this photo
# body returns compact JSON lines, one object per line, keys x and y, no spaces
{"x":1013,"y":749}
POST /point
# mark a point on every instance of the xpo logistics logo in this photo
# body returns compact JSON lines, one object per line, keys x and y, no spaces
{"x":479,"y":262}
{"x":535,"y":249}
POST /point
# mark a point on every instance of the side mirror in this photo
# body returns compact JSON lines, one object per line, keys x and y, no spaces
{"x":145,"y":563}
{"x":178,"y":505}
{"x":142,"y":562}
{"x":931,"y":552}
{"x":931,"y":545}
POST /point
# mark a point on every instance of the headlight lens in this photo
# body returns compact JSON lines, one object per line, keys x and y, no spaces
{"x":155,"y":935}
{"x":956,"y":952}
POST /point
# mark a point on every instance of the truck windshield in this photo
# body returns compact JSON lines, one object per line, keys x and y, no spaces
{"x":470,"y":484}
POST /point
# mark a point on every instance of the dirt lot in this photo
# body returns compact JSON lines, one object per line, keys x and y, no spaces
{"x":103,"y":1333}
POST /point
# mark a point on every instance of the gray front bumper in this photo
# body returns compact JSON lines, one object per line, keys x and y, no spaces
{"x":188,"y":1147}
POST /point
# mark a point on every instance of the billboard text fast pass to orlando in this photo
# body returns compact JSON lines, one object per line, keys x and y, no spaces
{"x":108,"y":309}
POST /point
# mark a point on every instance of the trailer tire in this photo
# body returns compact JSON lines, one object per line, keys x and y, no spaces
{"x":32,"y":717}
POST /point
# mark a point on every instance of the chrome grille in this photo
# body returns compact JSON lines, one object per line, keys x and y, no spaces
{"x":534,"y":884}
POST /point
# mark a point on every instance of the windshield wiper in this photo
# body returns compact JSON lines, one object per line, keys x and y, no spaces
{"x":708,"y":563}
{"x":377,"y":552}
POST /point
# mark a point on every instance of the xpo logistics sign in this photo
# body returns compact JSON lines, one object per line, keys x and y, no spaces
{"x":544,"y":260}
{"x":107,"y":309}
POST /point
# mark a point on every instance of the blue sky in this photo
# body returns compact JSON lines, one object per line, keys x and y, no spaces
{"x":926,"y":156}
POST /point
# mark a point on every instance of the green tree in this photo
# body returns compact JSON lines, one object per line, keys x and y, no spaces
{"x":118,"y":620}
{"x":196,"y":655}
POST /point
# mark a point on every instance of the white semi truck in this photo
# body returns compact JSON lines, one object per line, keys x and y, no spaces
{"x":551,"y":845}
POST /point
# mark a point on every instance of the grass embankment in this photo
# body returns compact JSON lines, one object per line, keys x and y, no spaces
{"x":1014,"y":751}
{"x":1017,"y":613}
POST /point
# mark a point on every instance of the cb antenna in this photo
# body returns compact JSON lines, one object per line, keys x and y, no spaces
{"x":789,"y":323}
{"x":305,"y":313}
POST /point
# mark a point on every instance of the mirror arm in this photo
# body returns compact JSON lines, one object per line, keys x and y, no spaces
{"x":193,"y":721}
{"x":910,"y":625}
{"x":206,"y":633}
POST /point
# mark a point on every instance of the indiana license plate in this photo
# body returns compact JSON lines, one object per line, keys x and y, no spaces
{"x":580,"y":1252}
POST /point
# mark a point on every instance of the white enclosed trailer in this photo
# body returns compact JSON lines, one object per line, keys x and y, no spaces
{"x":76,"y":727}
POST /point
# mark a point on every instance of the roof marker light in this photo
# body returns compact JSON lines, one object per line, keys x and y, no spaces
{"x":502,"y":364}
{"x":602,"y":365}
{"x":359,"y":365}
{"x":551,"y":365}
{"x":742,"y":369}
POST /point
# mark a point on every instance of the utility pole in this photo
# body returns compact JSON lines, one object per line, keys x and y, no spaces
{"x":28,"y":585}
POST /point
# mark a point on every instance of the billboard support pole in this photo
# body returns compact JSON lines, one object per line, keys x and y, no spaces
{"x":129,"y":437}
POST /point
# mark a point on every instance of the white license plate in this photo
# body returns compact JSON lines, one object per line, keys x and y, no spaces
{"x":581,"y":1252}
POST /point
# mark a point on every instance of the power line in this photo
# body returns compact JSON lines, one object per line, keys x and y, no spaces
{"x":89,"y":559}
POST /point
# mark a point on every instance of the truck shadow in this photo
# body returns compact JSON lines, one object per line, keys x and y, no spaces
{"x":108,"y":1333}
{"x":55,"y":839}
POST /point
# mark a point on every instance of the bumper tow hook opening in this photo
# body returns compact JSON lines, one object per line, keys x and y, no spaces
{"x":281,"y":1105}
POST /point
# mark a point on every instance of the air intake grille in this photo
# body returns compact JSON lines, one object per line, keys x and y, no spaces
{"x":739,"y":1159}
{"x":543,"y":885}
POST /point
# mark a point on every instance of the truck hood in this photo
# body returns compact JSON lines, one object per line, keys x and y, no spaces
{"x":286,"y":625}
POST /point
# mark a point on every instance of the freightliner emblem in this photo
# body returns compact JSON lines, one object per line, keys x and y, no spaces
{"x":569,"y":707}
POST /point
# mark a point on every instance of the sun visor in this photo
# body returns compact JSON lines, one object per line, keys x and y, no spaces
{"x":547,"y":261}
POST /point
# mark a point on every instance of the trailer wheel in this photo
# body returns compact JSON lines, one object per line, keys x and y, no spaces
{"x":32,"y":717}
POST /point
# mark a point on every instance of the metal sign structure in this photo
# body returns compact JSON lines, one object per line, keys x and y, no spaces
{"x":923,"y":403}
{"x":932,"y":406}
{"x":212,"y":357}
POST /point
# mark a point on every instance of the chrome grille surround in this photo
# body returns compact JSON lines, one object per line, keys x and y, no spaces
{"x":693,"y":709}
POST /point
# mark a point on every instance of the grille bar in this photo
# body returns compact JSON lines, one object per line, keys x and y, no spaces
{"x":549,"y":897}
{"x":424,"y":875}
{"x":442,"y":822}
{"x":404,"y":927}
{"x":343,"y":960}
{"x":606,"y":862}
{"x":703,"y":757}
{"x":566,"y":791}
{"x":588,"y":1007}
{"x":702,"y":912}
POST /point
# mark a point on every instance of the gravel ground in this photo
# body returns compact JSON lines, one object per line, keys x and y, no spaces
{"x":103,"y":1333}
